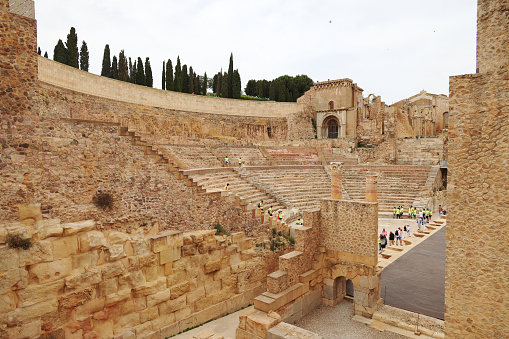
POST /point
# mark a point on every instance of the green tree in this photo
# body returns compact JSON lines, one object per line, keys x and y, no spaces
{"x":114,"y":68}
{"x":230,"y":77}
{"x":163,"y":77}
{"x":169,"y":76}
{"x":197,"y":84}
{"x":72,"y":48}
{"x":132,"y":71}
{"x":140,"y":73}
{"x":178,"y":76}
{"x":259,"y":89}
{"x":251,"y":88}
{"x":205,"y":84}
{"x":84,"y":64}
{"x":272,"y":91}
{"x":185,"y":80}
{"x":224,"y":85}
{"x":39,"y":51}
{"x":123,"y":67}
{"x":236,"y":84}
{"x":46,"y":54}
{"x":218,"y":78}
{"x":106,"y":68}
{"x":148,"y":74}
{"x":60,"y":53}
{"x":191,"y":80}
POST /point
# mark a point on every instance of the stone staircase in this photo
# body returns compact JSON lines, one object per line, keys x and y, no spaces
{"x":190,"y":157}
{"x":302,"y":186}
{"x":251,"y":156}
{"x":397,"y":185}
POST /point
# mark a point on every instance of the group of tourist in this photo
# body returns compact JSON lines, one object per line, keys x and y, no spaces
{"x":227,"y":161}
{"x":270,"y":212}
{"x":394,"y":238}
{"x":398,"y":212}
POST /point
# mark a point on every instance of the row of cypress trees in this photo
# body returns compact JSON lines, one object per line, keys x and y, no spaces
{"x":283,"y":88}
{"x":227,"y":85}
{"x":124,"y":69}
{"x":68,"y":54}
{"x":183,"y":80}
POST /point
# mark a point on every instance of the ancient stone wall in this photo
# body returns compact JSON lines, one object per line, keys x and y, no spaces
{"x":62,"y":164}
{"x":421,"y":151}
{"x":349,"y":227}
{"x":476,"y":268}
{"x":60,"y":75}
{"x":78,"y":281}
{"x":476,"y":271}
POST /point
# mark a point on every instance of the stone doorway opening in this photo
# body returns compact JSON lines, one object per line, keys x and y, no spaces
{"x":331,"y":127}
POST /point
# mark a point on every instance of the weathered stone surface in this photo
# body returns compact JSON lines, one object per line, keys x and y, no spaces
{"x":91,"y":240}
{"x":84,"y":279}
{"x":49,"y":228}
{"x":180,"y":289}
{"x":80,"y":226}
{"x":29,"y":214}
{"x":117,"y":238}
{"x":47,"y":272}
{"x":115,"y":252}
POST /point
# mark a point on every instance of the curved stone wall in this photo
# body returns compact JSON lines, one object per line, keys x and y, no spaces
{"x":60,"y":75}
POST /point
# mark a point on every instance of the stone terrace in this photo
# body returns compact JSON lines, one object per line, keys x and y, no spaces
{"x":303,"y":186}
{"x":397,"y":185}
{"x":294,"y":155}
{"x":190,"y":156}
{"x":251,"y":156}
{"x":331,"y":156}
{"x":216,"y":179}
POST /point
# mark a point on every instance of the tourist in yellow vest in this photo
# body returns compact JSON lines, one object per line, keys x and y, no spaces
{"x":240,"y":161}
{"x":226,"y":187}
{"x":270,"y":211}
{"x":394,"y":212}
{"x":226,"y":161}
{"x":280,"y":215}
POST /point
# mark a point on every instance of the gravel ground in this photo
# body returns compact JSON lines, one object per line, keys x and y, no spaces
{"x":336,"y":322}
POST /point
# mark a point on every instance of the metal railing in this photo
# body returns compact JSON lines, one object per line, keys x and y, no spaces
{"x":23,"y":7}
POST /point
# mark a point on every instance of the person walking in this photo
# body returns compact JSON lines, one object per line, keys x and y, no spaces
{"x":398,"y":236}
{"x":240,"y":162}
{"x":383,"y":242}
{"x":227,"y":186}
{"x":260,"y":205}
{"x":226,"y":161}
{"x":280,"y":215}
{"x":391,"y":239}
{"x":270,"y":211}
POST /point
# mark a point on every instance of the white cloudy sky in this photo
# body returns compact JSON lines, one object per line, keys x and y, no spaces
{"x":394,"y":48}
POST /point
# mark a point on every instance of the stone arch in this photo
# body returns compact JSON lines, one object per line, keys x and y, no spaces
{"x":446,"y":119}
{"x":331,"y":105}
{"x":349,"y":288}
{"x":331,"y":127}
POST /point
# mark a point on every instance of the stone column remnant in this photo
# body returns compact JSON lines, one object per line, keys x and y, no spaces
{"x":336,"y":180}
{"x":372,"y":188}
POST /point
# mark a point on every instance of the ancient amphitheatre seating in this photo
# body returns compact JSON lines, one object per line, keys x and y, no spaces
{"x":294,"y":155}
{"x":333,"y":157}
{"x":251,"y":155}
{"x":303,"y":186}
{"x":189,"y":157}
{"x":397,"y":185}
{"x":216,"y":179}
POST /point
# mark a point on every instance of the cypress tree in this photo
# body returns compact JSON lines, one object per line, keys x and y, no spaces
{"x":140,"y":73}
{"x":169,"y":76}
{"x":84,"y":63}
{"x":46,"y":54}
{"x":132,"y":71}
{"x":236,"y":84}
{"x":178,"y":77}
{"x":123,"y":70}
{"x":272,"y":91}
{"x":60,"y":53}
{"x":224,"y":85}
{"x":163,"y":77}
{"x":114,"y":68}
{"x":72,"y":48}
{"x":185,"y":80}
{"x":39,"y":50}
{"x":215,"y":80}
{"x":281,"y":92}
{"x":106,"y":68}
{"x":197,"y":84}
{"x":191,"y":80}
{"x":205,"y":84}
{"x":230,"y":77}
{"x":259,"y":89}
{"x":148,"y":74}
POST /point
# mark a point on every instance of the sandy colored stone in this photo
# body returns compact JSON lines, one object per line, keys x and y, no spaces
{"x":84,"y":279}
{"x":116,"y":238}
{"x":47,"y":272}
{"x":80,"y":226}
{"x":91,"y":240}
{"x":29,"y":214}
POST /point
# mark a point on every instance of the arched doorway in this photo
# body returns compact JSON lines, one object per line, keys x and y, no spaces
{"x":331,"y":105}
{"x":349,"y":288}
{"x":331,"y":127}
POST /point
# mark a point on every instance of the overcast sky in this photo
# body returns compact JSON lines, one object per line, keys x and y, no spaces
{"x":393,"y":48}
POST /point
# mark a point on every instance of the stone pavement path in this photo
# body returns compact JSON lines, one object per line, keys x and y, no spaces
{"x":416,"y":281}
{"x":336,"y":322}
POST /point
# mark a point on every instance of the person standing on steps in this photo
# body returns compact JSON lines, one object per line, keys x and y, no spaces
{"x":260,"y":205}
{"x":270,"y":211}
{"x":280,"y":215}
{"x":391,"y":239}
{"x":226,"y":187}
{"x":383,"y":242}
{"x":299,"y":222}
{"x":226,"y":161}
{"x":240,"y":162}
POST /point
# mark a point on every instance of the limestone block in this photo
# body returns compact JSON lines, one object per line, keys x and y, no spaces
{"x":229,"y":281}
{"x":259,"y":322}
{"x":143,"y":330}
{"x":149,"y":314}
{"x":151,"y":287}
{"x":29,"y":214}
{"x":26,"y":314}
{"x":168,"y":268}
{"x":169,"y":255}
{"x":107,"y":286}
{"x":153,"y":272}
{"x":167,"y":331}
{"x":276,"y":281}
{"x":113,"y":269}
{"x":243,"y":334}
{"x":147,"y":260}
{"x":118,"y":297}
{"x":131,"y":280}
{"x":180,"y":289}
{"x":285,"y":330}
{"x":15,"y":278}
{"x":89,"y":308}
{"x":117,"y":238}
{"x":243,"y":317}
{"x":47,"y":272}
{"x":80,"y":226}
{"x":125,"y":323}
{"x":126,"y":335}
{"x":185,"y":319}
{"x":28,"y":330}
{"x":84,"y":279}
{"x":158,"y":297}
{"x":207,"y":335}
{"x":308,"y":276}
{"x":195,"y":295}
{"x":41,"y":251}
{"x":140,"y":303}
{"x":212,"y":266}
{"x":247,"y":254}
{"x":213,"y":287}
{"x":77,"y":298}
{"x":172,"y":305}
{"x":85,"y":260}
{"x":91,"y":240}
{"x":141,"y":247}
{"x":115,"y":252}
{"x":7,"y":302}
{"x":176,"y":278}
{"x":174,"y":239}
{"x":37,"y":293}
{"x":237,"y":237}
{"x":224,"y":273}
{"x":49,"y":228}
{"x":189,"y":250}
{"x":158,"y":243}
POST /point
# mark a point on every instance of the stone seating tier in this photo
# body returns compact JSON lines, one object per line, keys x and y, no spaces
{"x":294,"y":156}
{"x":191,"y":156}
{"x":251,"y":156}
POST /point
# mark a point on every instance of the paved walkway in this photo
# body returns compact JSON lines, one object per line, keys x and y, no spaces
{"x":416,"y":281}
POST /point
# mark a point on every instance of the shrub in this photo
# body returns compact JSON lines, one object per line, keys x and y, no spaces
{"x":220,"y":230}
{"x":17,"y":241}
{"x":103,"y":200}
